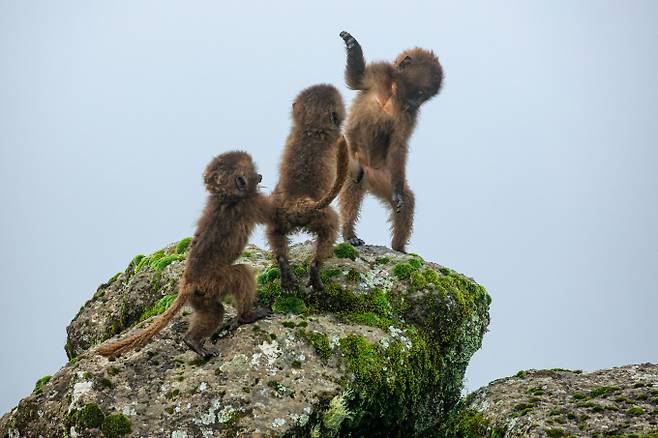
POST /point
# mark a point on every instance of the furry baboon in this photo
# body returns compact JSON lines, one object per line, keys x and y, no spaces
{"x":380,"y":122}
{"x":233,"y":207}
{"x":312,"y":171}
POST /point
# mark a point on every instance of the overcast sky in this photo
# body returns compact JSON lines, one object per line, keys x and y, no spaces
{"x":535,"y":170}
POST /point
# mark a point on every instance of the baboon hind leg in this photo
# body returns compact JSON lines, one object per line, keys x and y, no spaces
{"x":208,"y":314}
{"x":402,"y":221}
{"x":325,"y":226}
{"x":351,"y":197}
{"x":243,"y":289}
{"x":277,"y":235}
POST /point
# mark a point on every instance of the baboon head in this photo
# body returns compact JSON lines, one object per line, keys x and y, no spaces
{"x":419,"y":77}
{"x":320,"y":107}
{"x":232,"y":175}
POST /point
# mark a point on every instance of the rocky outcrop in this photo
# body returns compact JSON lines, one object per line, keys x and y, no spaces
{"x":381,"y":353}
{"x":618,"y":402}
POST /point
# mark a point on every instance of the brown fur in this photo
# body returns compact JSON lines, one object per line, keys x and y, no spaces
{"x":381,"y":120}
{"x":233,"y":207}
{"x":312,"y":171}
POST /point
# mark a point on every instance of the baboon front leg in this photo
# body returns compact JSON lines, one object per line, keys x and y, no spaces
{"x":208,"y":314}
{"x":278,"y":238}
{"x":243,"y":289}
{"x":351,"y":197}
{"x":325,"y":226}
{"x":402,"y":218}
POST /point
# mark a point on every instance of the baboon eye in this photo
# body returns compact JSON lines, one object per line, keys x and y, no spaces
{"x":260,"y":177}
{"x":405,"y":62}
{"x":240,"y":183}
{"x":334,"y":118}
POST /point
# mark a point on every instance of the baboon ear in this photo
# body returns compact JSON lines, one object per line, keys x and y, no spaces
{"x":405,"y":62}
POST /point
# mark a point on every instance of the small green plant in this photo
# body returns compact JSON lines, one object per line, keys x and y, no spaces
{"x":183,"y":245}
{"x":38,"y":385}
{"x":116,"y":425}
{"x":163,"y":304}
{"x":345,"y":251}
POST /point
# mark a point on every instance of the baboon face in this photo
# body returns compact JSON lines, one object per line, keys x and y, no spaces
{"x":419,"y":77}
{"x":320,"y":107}
{"x":232,"y":175}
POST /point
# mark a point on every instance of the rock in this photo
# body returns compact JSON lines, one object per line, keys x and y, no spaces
{"x":618,"y":402}
{"x":382,"y":352}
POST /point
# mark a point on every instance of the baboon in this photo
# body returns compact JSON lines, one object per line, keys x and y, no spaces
{"x":381,"y":119}
{"x":312,"y":171}
{"x":233,"y":207}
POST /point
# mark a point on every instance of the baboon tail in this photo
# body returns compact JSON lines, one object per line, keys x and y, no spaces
{"x":342,"y":162}
{"x":142,"y":337}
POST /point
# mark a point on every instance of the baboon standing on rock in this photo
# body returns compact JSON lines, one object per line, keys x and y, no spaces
{"x":233,"y":208}
{"x":312,"y":171}
{"x":380,"y":122}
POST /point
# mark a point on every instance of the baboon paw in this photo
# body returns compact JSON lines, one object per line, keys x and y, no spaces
{"x":255,"y":315}
{"x":355,"y":241}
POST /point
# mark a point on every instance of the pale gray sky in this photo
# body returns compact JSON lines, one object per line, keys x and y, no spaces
{"x":535,"y":170}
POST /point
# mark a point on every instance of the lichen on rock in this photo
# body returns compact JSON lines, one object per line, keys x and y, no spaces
{"x":381,"y":352}
{"x":619,"y":402}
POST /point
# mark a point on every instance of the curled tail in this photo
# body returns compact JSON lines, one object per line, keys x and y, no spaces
{"x":306,"y":205}
{"x":140,"y":338}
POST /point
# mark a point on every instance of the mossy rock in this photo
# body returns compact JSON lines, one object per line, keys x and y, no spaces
{"x":382,"y":351}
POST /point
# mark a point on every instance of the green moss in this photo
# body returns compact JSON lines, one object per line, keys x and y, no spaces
{"x":297,"y":364}
{"x":521,"y":409}
{"x":39,"y":384}
{"x":635,"y":411}
{"x":319,"y":341}
{"x":521,"y":374}
{"x":579,"y":396}
{"x":113,"y":371}
{"x":247,"y":254}
{"x":329,"y":273}
{"x":299,"y":269}
{"x":353,"y":275}
{"x":603,"y":391}
{"x":132,"y":266}
{"x":159,"y":307}
{"x":416,"y":263}
{"x":183,"y":245}
{"x":116,"y":425}
{"x":468,"y":423}
{"x":382,"y":260}
{"x":269,"y":275}
{"x":369,"y":308}
{"x":417,"y":280}
{"x":390,"y":384}
{"x":165,"y":261}
{"x":345,"y":251}
{"x":403,"y":271}
{"x":90,"y":416}
{"x":554,"y":433}
{"x":289,"y":304}
{"x":431,"y":276}
{"x":104,"y":382}
{"x":288,"y":324}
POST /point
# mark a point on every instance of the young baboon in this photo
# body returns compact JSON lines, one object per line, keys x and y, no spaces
{"x":312,"y":171}
{"x":233,"y":207}
{"x":380,"y":122}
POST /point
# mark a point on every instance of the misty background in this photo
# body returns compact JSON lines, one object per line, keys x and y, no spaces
{"x":535,"y":170}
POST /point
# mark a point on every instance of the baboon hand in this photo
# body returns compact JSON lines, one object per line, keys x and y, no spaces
{"x":398,"y":200}
{"x":349,"y":39}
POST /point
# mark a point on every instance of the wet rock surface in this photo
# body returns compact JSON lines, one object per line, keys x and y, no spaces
{"x":382,"y":351}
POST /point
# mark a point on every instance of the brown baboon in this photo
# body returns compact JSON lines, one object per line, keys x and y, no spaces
{"x":233,"y":207}
{"x":380,"y":122}
{"x":312,"y":171}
